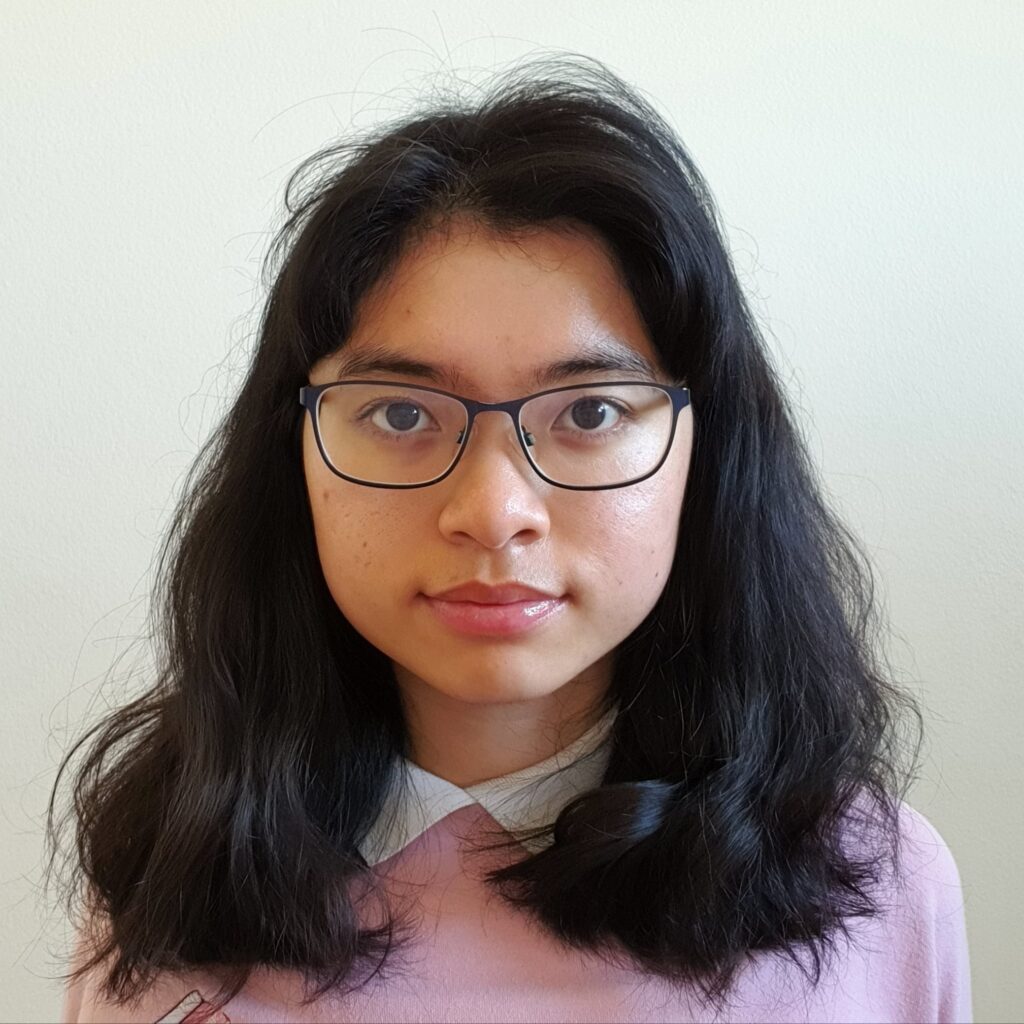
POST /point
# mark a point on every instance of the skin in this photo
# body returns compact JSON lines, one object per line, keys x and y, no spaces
{"x":480,"y":707}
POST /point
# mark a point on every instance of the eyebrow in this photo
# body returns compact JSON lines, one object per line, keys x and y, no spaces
{"x":596,"y":358}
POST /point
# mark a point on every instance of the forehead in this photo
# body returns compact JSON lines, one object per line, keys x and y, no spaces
{"x":466,"y":308}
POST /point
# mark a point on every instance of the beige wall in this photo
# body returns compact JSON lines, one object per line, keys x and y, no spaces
{"x":867,"y":158}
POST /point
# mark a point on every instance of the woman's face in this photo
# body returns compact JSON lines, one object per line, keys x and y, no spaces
{"x":496,"y":311}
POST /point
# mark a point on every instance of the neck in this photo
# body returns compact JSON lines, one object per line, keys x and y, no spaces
{"x":467,"y":743}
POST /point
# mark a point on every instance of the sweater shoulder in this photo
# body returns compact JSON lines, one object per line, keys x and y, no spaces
{"x":926,"y":860}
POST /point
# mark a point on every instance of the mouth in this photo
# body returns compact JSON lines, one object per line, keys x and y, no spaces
{"x":496,"y":593}
{"x":511,"y":618}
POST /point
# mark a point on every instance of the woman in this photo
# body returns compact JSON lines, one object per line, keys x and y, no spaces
{"x":514,"y":667}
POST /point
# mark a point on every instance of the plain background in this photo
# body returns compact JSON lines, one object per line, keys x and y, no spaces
{"x":866,"y":158}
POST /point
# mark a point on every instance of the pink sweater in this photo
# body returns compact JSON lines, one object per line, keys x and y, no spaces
{"x":477,"y":960}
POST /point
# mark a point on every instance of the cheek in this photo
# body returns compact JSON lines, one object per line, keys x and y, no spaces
{"x":628,"y":540}
{"x":352,"y":540}
{"x":359,"y":548}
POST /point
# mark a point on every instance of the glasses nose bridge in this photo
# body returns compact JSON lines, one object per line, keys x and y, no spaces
{"x":511,"y":409}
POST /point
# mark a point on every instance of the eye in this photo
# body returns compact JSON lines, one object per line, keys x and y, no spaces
{"x":400,"y":416}
{"x":589,"y":414}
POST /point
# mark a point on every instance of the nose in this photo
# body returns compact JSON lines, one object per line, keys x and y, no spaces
{"x":493,"y":495}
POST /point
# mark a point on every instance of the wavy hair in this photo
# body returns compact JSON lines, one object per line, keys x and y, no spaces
{"x":217,"y":817}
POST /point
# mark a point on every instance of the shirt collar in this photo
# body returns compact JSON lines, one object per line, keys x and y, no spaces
{"x":523,"y":799}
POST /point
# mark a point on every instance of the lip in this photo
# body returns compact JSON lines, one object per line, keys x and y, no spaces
{"x":502,"y":593}
{"x":509,"y":618}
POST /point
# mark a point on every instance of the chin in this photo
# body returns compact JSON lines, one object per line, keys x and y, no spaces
{"x":502,"y":688}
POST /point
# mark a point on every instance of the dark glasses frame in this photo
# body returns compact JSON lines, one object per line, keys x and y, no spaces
{"x":309,"y":399}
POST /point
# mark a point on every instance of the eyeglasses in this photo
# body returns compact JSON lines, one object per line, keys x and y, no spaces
{"x":585,"y":437}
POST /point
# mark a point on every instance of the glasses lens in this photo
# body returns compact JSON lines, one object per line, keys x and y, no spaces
{"x":389,"y":434}
{"x":598,"y":436}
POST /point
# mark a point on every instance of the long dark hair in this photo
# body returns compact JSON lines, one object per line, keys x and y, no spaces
{"x":217,"y":817}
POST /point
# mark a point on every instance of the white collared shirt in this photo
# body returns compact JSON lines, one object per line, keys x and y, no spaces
{"x":523,"y":799}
